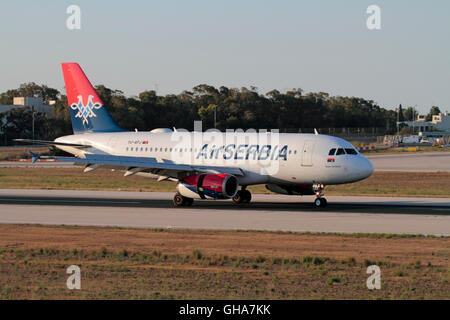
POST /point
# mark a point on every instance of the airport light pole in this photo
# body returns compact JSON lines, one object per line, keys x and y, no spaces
{"x":4,"y":132}
{"x":32,"y":121}
{"x":398,"y":119}
{"x":414,"y":121}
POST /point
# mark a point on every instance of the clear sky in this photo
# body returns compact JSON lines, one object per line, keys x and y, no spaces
{"x":320,"y":45}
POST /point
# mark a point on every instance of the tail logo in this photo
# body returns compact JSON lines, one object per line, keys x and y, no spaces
{"x":85,"y":111}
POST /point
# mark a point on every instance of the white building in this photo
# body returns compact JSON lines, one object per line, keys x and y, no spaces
{"x":35,"y":104}
{"x":442,"y":121}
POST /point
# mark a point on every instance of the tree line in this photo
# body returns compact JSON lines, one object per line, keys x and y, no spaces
{"x":226,"y":108}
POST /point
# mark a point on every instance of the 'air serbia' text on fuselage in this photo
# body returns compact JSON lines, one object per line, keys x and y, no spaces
{"x":243,"y":151}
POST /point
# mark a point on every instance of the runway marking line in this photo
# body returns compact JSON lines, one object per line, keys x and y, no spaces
{"x":70,"y":201}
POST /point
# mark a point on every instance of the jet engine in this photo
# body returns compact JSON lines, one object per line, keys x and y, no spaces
{"x":291,"y":189}
{"x":208,"y":186}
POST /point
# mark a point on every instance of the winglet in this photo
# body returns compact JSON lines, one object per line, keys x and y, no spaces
{"x":34,"y":157}
{"x":315,"y":131}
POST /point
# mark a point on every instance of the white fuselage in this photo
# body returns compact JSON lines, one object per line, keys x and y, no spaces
{"x":263,"y":157}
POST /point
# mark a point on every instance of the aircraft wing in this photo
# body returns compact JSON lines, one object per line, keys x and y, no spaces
{"x":133,"y":165}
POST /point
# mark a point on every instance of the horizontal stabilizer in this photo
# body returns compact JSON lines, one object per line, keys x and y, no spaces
{"x":35,"y":157}
{"x":51,"y":143}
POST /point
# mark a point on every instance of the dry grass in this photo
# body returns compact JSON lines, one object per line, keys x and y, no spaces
{"x":154,"y":264}
{"x":430,"y":184}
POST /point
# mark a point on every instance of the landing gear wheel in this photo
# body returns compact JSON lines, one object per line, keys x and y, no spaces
{"x":189,"y":202}
{"x":242,"y":196}
{"x":179,"y":200}
{"x":247,"y":196}
{"x":320,"y":202}
{"x":238,"y":198}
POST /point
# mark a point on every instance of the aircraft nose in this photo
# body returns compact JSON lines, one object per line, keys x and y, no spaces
{"x":362,"y":169}
{"x":366,"y":167}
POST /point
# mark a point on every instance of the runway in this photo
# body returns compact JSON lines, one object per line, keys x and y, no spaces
{"x":39,"y":164}
{"x":417,"y":162}
{"x":266,"y":212}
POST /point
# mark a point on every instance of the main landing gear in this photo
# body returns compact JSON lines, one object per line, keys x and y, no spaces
{"x":242,"y":196}
{"x":320,"y":201}
{"x":182,"y":201}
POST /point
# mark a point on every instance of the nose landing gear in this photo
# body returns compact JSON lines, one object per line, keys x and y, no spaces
{"x":320,"y":201}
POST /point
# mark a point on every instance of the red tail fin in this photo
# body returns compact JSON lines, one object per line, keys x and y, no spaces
{"x":77,"y":83}
{"x":86,"y":109}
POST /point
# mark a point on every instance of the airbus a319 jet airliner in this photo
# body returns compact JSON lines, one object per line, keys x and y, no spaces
{"x":205,"y":165}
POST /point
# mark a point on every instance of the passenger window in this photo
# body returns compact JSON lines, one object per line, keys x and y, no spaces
{"x":351,"y":151}
{"x":340,"y":151}
{"x":332,"y":151}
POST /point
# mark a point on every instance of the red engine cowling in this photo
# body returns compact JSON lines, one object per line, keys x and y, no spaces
{"x":209,"y":186}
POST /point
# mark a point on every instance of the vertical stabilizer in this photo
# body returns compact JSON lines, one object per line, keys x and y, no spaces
{"x":86,"y":109}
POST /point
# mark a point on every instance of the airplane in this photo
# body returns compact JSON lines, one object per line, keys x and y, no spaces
{"x":205,"y":165}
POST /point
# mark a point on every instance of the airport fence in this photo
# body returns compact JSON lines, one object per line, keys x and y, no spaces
{"x":341,"y":132}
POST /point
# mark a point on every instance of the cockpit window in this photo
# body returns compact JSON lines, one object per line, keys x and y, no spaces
{"x":332,"y":151}
{"x":351,"y":151}
{"x":340,"y":151}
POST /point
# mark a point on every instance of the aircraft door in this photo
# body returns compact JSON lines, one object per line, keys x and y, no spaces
{"x":307,"y":153}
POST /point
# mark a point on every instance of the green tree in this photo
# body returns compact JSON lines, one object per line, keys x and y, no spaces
{"x":409,"y":114}
{"x":206,"y":113}
{"x":401,"y":117}
{"x":434,"y":111}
